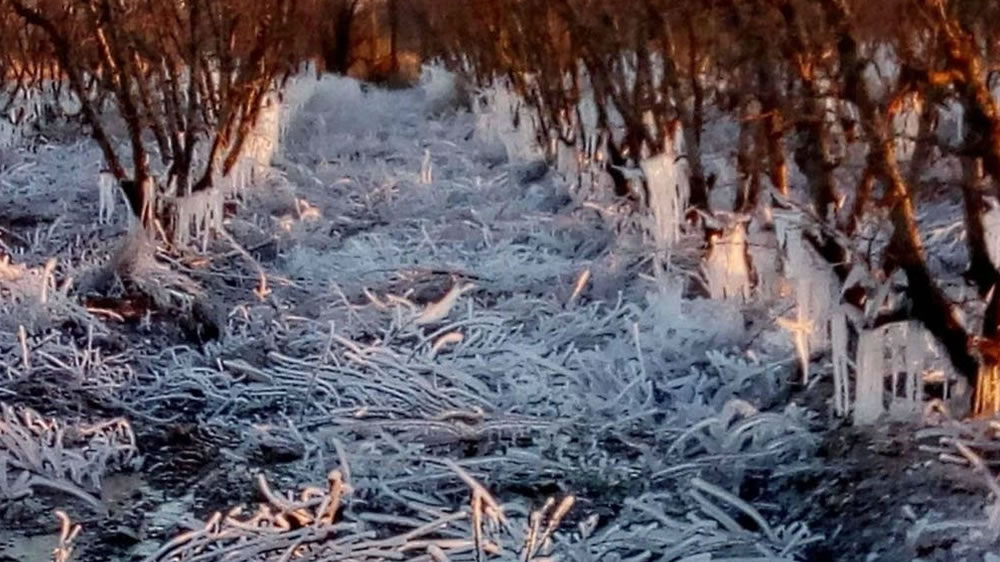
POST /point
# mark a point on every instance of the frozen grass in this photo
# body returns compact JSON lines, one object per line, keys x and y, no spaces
{"x":429,"y":336}
{"x":37,"y":453}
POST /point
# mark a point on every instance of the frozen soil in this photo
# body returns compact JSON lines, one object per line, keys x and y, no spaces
{"x":876,"y":495}
{"x":629,"y":393}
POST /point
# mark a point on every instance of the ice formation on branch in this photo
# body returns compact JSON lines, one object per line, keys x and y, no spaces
{"x":726,"y":269}
{"x":841,"y":362}
{"x":263,"y":141}
{"x":991,"y":223}
{"x":8,"y":134}
{"x":198,"y":214}
{"x":500,"y":112}
{"x":669,"y":190}
{"x":869,"y":392}
{"x":907,"y":346}
{"x":900,"y":353}
{"x":814,"y":288}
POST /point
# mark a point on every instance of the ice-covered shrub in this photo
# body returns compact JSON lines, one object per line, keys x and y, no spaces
{"x":31,"y":298}
{"x":443,"y":90}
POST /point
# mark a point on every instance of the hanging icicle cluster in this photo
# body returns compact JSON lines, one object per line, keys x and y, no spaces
{"x":813,"y":285}
{"x":502,"y":114}
{"x":870,"y":377}
{"x":21,"y":109}
{"x":262,"y":143}
{"x":890,"y":366}
{"x":726,"y":269}
{"x":297,"y":92}
{"x":197,"y":215}
{"x":667,"y":184}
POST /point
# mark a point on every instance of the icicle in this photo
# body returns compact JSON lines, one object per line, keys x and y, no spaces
{"x":895,"y":340}
{"x":916,"y":361}
{"x":991,"y":223}
{"x":960,"y":131}
{"x":726,"y":267}
{"x":869,"y":391}
{"x":240,"y":176}
{"x":799,"y":329}
{"x":815,"y":287}
{"x":182,"y":227}
{"x":7,"y":134}
{"x":426,"y":169}
{"x":669,"y":191}
{"x":841,"y":378}
{"x":148,"y":189}
{"x":213,"y":215}
{"x":199,"y":213}
{"x":106,"y":197}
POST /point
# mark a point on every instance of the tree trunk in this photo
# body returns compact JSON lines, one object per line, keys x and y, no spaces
{"x":747,"y":162}
{"x":336,"y":43}
{"x":393,"y":36}
{"x":981,"y":272}
{"x":929,"y":304}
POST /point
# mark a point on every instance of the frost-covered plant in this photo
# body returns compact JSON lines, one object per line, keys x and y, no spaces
{"x":648,"y":529}
{"x":39,"y":452}
{"x":68,"y":533}
{"x":188,"y":84}
{"x":321,"y":525}
{"x":426,"y":169}
{"x":31,"y":297}
{"x":740,"y":429}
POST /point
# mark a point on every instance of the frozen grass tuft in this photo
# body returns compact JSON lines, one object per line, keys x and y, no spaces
{"x":37,"y":452}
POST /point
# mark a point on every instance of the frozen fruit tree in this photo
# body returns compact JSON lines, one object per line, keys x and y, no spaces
{"x":845,"y":123}
{"x":186,"y":79}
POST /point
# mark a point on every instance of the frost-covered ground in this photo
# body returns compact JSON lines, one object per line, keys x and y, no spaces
{"x":416,"y":326}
